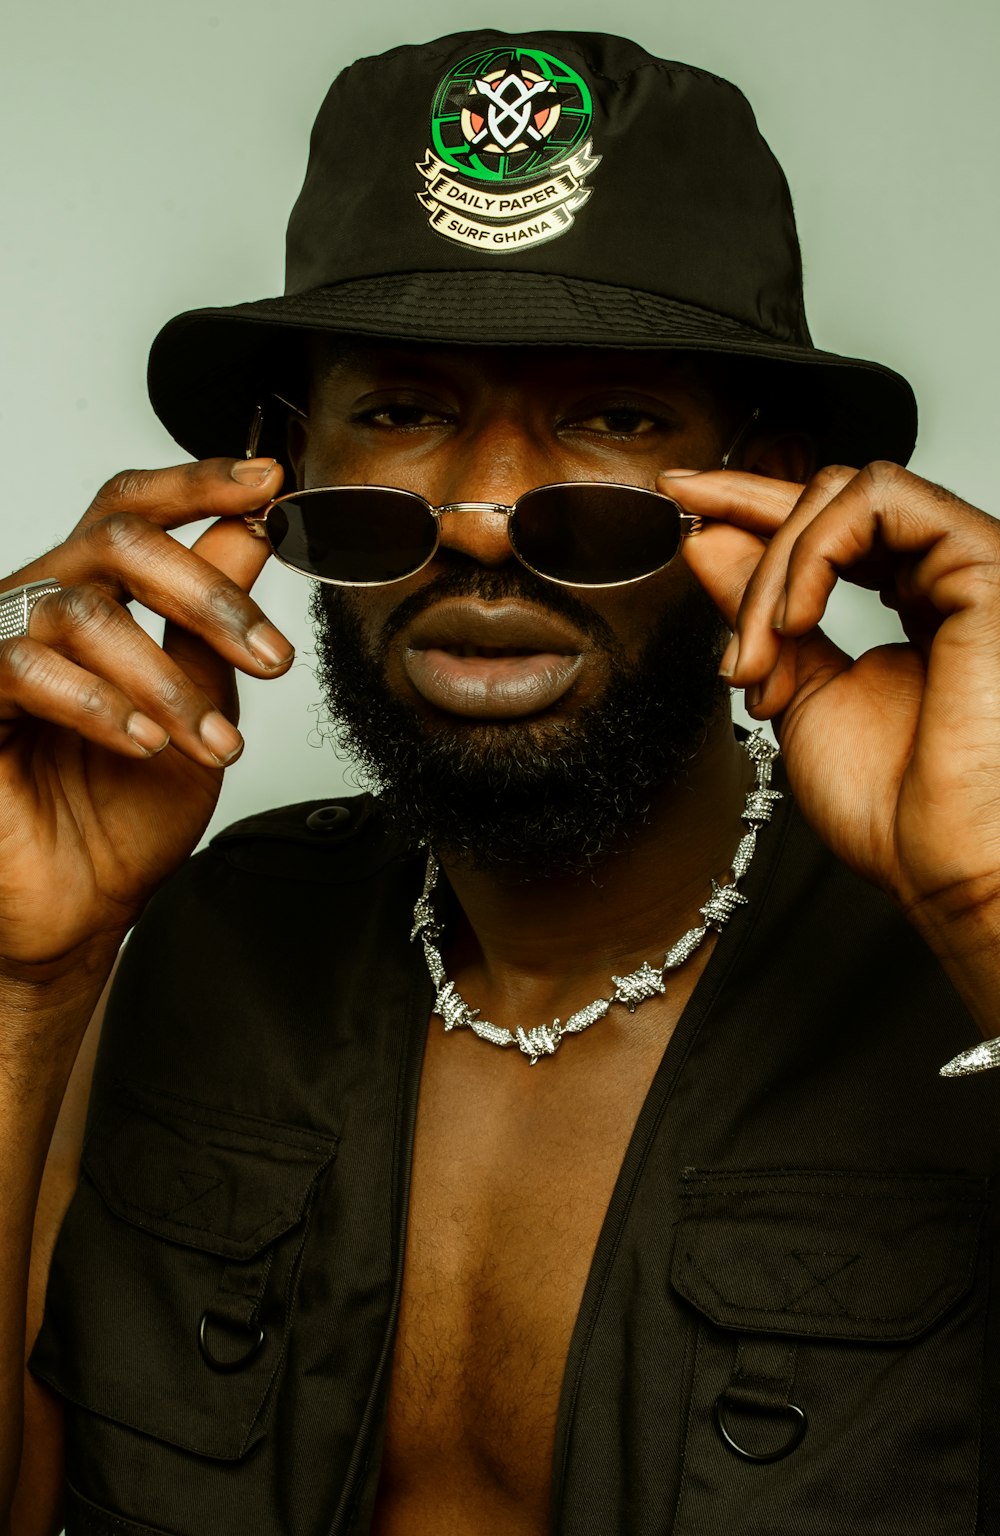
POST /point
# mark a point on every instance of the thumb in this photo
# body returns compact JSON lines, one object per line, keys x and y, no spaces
{"x":229,"y":546}
{"x":232,"y":549}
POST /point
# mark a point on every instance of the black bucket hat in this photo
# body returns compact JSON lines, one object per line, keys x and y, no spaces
{"x":551,"y":188}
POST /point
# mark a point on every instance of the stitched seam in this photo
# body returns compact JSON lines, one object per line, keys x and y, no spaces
{"x":872,"y":1317}
{"x":818,"y":1282}
{"x":904,"y":1319}
{"x":286,"y":1321}
{"x":202,"y":1114}
{"x":682,"y":1488}
{"x":148,"y":1225}
{"x":748,"y":1180}
{"x":107,"y":1518}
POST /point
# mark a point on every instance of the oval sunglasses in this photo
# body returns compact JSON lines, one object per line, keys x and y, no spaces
{"x":578,"y":533}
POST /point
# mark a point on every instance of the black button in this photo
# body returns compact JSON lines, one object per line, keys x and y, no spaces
{"x":328,"y":818}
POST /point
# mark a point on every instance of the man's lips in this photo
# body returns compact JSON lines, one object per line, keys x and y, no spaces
{"x":491,"y":661}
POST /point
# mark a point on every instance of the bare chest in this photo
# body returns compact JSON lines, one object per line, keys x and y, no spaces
{"x":513,"y":1170}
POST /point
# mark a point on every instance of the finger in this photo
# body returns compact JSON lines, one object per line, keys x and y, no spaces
{"x":236,"y":555}
{"x":724,"y":559}
{"x":131,"y":558}
{"x":87,"y":627}
{"x":940,"y":551}
{"x":760,"y":622}
{"x":36,"y":680}
{"x":233,"y":551}
{"x":158,"y":499}
{"x":753,"y":502}
{"x":187,"y":493}
{"x":165,"y":498}
{"x":802,"y":666}
{"x":943,"y":557}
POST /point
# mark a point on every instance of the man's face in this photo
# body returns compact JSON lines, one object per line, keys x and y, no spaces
{"x":511,"y":720}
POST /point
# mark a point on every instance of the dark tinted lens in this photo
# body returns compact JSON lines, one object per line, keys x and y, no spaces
{"x":591,"y":534}
{"x":353,"y":533}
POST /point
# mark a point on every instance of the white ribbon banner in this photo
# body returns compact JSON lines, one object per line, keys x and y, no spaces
{"x":475,"y":216}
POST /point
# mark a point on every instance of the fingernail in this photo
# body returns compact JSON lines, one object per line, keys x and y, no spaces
{"x":753,"y":696}
{"x":778,"y":617}
{"x":730,"y":657}
{"x":252,"y":471}
{"x":675,"y":474}
{"x":221,"y":738}
{"x":269,"y":646}
{"x":152,"y":738}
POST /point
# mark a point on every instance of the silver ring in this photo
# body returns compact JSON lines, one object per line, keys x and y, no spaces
{"x":16,"y":606}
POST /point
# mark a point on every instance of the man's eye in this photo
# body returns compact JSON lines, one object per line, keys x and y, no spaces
{"x":619,"y":421}
{"x":400,"y":414}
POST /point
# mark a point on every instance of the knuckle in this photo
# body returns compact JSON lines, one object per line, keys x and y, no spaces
{"x":228,"y":604}
{"x":121,"y":532}
{"x":93,"y":699}
{"x":174,"y":693}
{"x":882,"y":473}
{"x":19,"y":658}
{"x":833,"y":476}
{"x":130,"y":488}
{"x":79,"y":606}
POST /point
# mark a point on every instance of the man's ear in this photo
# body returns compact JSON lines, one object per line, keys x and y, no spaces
{"x":297,"y":441}
{"x":781,"y":455}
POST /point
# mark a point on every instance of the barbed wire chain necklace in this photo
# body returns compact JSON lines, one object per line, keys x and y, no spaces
{"x":646,"y":982}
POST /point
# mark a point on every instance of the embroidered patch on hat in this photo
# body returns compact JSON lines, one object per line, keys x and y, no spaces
{"x":510,"y":150}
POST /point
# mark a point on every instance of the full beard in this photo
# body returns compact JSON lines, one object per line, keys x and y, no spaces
{"x":538,"y":797}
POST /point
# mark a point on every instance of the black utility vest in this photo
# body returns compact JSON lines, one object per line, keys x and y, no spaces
{"x":785,"y":1328}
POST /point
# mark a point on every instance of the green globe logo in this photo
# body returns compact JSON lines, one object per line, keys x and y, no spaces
{"x":507,"y":114}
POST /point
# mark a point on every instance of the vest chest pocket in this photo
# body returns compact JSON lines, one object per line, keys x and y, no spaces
{"x":836,"y":1370}
{"x":173,"y":1279}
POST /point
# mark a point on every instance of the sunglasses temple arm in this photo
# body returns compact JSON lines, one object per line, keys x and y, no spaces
{"x":253,"y":435}
{"x":257,"y":423}
{"x":255,"y":524}
{"x":737,"y":440}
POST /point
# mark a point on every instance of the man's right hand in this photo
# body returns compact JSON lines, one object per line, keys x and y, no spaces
{"x":111,"y":747}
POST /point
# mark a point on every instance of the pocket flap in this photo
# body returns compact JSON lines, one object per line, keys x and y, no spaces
{"x":210,"y":1179}
{"x":829,"y":1255}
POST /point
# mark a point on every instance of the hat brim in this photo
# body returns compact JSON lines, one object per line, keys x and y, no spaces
{"x":209,"y":368}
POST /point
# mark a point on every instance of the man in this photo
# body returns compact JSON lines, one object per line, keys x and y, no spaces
{"x":630,"y":1243}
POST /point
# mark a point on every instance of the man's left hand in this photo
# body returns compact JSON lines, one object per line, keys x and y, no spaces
{"x":894,"y":757}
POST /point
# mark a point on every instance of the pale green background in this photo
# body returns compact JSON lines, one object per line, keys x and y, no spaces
{"x":152,"y":149}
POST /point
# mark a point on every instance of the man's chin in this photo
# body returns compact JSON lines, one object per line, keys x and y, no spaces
{"x":550,"y":794}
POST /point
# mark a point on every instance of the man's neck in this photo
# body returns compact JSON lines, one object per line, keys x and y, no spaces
{"x":532,"y":944}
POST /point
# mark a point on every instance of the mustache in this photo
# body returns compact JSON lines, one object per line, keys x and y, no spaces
{"x":490,"y":585}
{"x":464,"y":579}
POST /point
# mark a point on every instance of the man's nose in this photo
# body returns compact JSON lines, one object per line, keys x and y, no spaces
{"x":478,"y":533}
{"x":498,"y":467}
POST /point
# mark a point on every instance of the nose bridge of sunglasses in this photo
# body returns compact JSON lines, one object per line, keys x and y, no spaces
{"x":479,"y":529}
